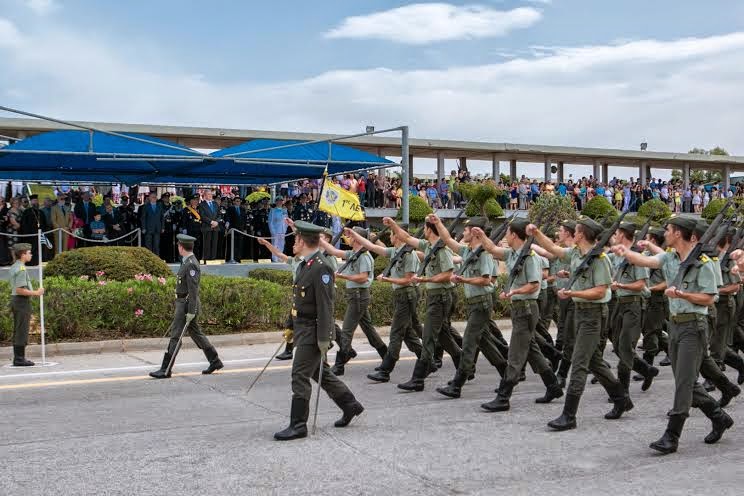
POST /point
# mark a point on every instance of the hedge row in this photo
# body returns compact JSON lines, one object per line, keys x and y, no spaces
{"x":120,"y":263}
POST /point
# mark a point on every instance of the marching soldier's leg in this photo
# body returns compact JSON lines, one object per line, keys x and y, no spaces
{"x":398,"y":328}
{"x":337,"y":391}
{"x":197,"y":335}
{"x":365,"y":322}
{"x":176,"y":328}
{"x":305,"y":362}
{"x":436,"y":302}
{"x":344,"y":338}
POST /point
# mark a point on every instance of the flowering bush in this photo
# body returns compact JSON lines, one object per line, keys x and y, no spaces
{"x":115,"y":263}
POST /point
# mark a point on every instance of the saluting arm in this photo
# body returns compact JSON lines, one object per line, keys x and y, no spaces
{"x":373,"y":247}
{"x":444,"y":234}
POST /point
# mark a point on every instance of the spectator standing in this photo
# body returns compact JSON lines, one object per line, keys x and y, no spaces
{"x":84,"y":210}
{"x":277,"y":226}
{"x":98,"y":228}
{"x":32,"y":220}
{"x":444,"y":193}
{"x":362,"y":190}
{"x":687,"y":200}
{"x":62,"y":219}
{"x":210,"y":227}
{"x":152,"y":223}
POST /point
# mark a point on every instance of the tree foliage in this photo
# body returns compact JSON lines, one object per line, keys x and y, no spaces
{"x":551,"y":210}
{"x":601,"y":210}
{"x":482,"y":200}
{"x":418,"y":209}
{"x":655,"y":210}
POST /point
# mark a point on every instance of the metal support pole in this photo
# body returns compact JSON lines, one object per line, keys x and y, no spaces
{"x":686,"y":174}
{"x":547,"y":172}
{"x":41,"y":300}
{"x":139,"y":237}
{"x":440,"y":167}
{"x":727,"y":178}
{"x":232,"y":246}
{"x":405,"y":176}
{"x":606,"y":173}
{"x":559,"y":174}
{"x":596,"y":170}
{"x":59,"y":241}
{"x":495,"y":169}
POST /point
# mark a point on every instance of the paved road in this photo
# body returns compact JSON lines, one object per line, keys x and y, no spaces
{"x":95,"y":424}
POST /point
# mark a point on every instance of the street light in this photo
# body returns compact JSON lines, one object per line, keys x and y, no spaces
{"x":644,"y":145}
{"x":370,"y":129}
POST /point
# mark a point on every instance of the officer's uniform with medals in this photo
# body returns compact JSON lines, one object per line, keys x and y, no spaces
{"x":191,"y":222}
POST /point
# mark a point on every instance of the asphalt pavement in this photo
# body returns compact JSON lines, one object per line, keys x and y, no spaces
{"x":97,"y":425}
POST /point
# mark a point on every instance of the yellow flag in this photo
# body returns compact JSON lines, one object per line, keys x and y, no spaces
{"x":335,"y":200}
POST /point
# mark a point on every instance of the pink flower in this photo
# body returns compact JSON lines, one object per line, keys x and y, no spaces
{"x":147,"y":277}
{"x":139,"y":312}
{"x":84,"y":278}
{"x":130,"y":290}
{"x":162,"y":280}
{"x":101,"y":283}
{"x":100,"y":273}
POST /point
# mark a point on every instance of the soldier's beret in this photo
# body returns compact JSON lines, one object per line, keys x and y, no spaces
{"x":304,"y":227}
{"x":519,"y":224}
{"x":21,"y":247}
{"x":700,"y":227}
{"x":327,"y":232}
{"x":361,"y":231}
{"x":591,"y":224}
{"x":628,"y":226}
{"x":476,"y":222}
{"x":683,"y":222}
{"x":657,"y":231}
{"x":569,"y":224}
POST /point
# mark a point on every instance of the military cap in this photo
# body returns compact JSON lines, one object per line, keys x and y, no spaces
{"x":361,"y":231}
{"x":700,"y":227}
{"x":21,"y":247}
{"x":304,"y":227}
{"x":628,"y":226}
{"x":591,"y":224}
{"x":569,"y":224}
{"x":657,"y":231}
{"x":519,"y":224}
{"x":476,"y":222}
{"x":192,"y":197}
{"x":328,"y":232}
{"x":185,"y":240}
{"x":683,"y":222}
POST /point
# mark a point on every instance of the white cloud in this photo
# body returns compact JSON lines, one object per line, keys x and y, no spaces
{"x":42,"y":7}
{"x":675,"y":94}
{"x":423,"y":23}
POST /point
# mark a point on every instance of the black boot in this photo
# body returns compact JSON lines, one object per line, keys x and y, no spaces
{"x":160,"y":374}
{"x":383,"y":374}
{"x":670,"y":440}
{"x":648,"y":357}
{"x":651,"y":373}
{"x":214,"y":360}
{"x":736,"y":361}
{"x":523,"y":375}
{"x":621,"y":402}
{"x":553,"y":390}
{"x":720,"y":420}
{"x":420,"y":371}
{"x":728,"y":393}
{"x":297,"y":421}
{"x":351,"y":408}
{"x":623,"y":378}
{"x":454,"y":388}
{"x":501,"y":402}
{"x":563,"y":371}
{"x":19,"y":357}
{"x":338,"y":366}
{"x":567,"y":420}
{"x":665,"y":362}
{"x":287,"y":353}
{"x":382,"y":351}
{"x":708,"y":385}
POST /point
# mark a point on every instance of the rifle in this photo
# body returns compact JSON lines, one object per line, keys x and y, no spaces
{"x":638,"y":236}
{"x":338,"y":235}
{"x":405,"y":250}
{"x":496,"y":236}
{"x":355,"y":256}
{"x":596,"y":251}
{"x":697,"y":250}
{"x":438,"y":245}
{"x":736,"y":241}
{"x":519,"y":263}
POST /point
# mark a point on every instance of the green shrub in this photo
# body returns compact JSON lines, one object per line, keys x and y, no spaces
{"x":120,"y":263}
{"x":599,"y":209}
{"x":490,"y":208}
{"x":655,"y":210}
{"x":418,"y":209}
{"x":551,"y":210}
{"x":277,"y":276}
{"x":711,"y":210}
{"x":482,"y":200}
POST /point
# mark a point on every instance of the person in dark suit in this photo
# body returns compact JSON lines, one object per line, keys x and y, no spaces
{"x":210,"y":227}
{"x":85,"y":210}
{"x":152,"y":223}
{"x":235,"y":218}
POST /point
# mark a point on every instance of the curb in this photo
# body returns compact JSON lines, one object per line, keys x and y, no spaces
{"x":159,"y":344}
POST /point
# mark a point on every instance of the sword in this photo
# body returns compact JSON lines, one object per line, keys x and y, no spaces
{"x":169,"y":369}
{"x":317,"y":397}
{"x":265,"y":367}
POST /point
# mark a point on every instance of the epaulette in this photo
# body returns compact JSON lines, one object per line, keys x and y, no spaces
{"x":704,"y":258}
{"x":532,"y":253}
{"x":715,"y":259}
{"x":22,"y":268}
{"x":603,"y":255}
{"x":669,"y":250}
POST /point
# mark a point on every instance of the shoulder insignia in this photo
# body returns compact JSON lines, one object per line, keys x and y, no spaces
{"x":603,"y":255}
{"x":310,"y":262}
{"x":192,"y":272}
{"x":325,"y":278}
{"x":22,"y":268}
{"x":704,"y":258}
{"x":669,"y":250}
{"x":715,"y":259}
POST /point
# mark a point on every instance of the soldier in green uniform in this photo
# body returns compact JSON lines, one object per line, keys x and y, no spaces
{"x":438,"y":300}
{"x":522,"y":295}
{"x":476,"y":278}
{"x":358,"y":276}
{"x":629,"y":282}
{"x":722,"y":340}
{"x":590,"y":294}
{"x":544,"y":306}
{"x":20,"y":302}
{"x":312,"y":312}
{"x":657,"y":308}
{"x":188,"y":306}
{"x":405,"y":300}
{"x":688,"y":306}
{"x":566,"y":324}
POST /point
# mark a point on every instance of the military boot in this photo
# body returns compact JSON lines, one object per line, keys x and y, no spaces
{"x":160,"y":374}
{"x":420,"y":371}
{"x":297,"y":429}
{"x":553,"y":390}
{"x":669,"y":442}
{"x":382,"y":351}
{"x":708,"y":385}
{"x":728,"y":393}
{"x":665,"y":362}
{"x":351,"y":408}
{"x":621,"y":402}
{"x":567,"y":419}
{"x":501,"y":402}
{"x":383,"y":374}
{"x":563,"y":371}
{"x":214,"y":361}
{"x":736,"y":361}
{"x":287,"y":353}
{"x":720,"y":420}
{"x":649,"y":373}
{"x":19,"y":357}
{"x":454,"y":387}
{"x":623,"y":377}
{"x":338,"y":366}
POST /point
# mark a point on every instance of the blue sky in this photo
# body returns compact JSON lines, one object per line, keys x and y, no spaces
{"x":563,"y":72}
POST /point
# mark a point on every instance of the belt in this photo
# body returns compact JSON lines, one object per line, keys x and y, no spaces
{"x":628,"y":299}
{"x":182,"y":295}
{"x":724,"y":298}
{"x":306,"y":317}
{"x":21,"y":297}
{"x":436,"y":291}
{"x":478,"y":299}
{"x":681,"y":318}
{"x":521,"y":303}
{"x":405,"y":289}
{"x":356,"y":290}
{"x":586,"y":305}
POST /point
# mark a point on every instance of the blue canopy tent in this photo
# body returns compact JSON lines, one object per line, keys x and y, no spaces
{"x":98,"y":156}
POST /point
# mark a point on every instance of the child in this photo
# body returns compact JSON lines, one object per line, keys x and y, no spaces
{"x":21,"y":290}
{"x":98,"y":228}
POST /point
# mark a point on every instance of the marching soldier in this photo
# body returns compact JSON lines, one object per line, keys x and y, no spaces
{"x":476,"y":278}
{"x":590,"y":294}
{"x":688,"y":306}
{"x":566,"y":324}
{"x":187,"y":310}
{"x":191,"y":224}
{"x":722,"y":340}
{"x":657,"y":308}
{"x":522,"y":294}
{"x":312,"y":312}
{"x":21,"y":292}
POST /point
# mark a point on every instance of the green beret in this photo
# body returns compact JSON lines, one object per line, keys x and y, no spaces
{"x":304,"y":227}
{"x":476,"y":222}
{"x":591,"y":224}
{"x":327,"y":231}
{"x":628,"y":226}
{"x":657,"y":231}
{"x":700,"y":227}
{"x":569,"y":224}
{"x":683,"y":222}
{"x":361,"y":231}
{"x":21,"y":247}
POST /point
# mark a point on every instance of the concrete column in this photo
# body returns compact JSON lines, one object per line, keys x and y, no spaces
{"x":595,"y":170}
{"x":410,"y":169}
{"x":440,"y":166}
{"x":605,"y":172}
{"x":686,"y":175}
{"x":381,"y":170}
{"x":642,"y":173}
{"x":726,"y":177}
{"x":495,"y":168}
{"x":548,"y":173}
{"x":463,"y":163}
{"x":513,"y":170}
{"x":559,"y":173}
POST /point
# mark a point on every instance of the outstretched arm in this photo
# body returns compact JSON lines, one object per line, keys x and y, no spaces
{"x":444,"y":234}
{"x":373,"y":247}
{"x":273,"y":249}
{"x":332,"y":250}
{"x":636,"y":258}
{"x":488,"y":245}
{"x":545,"y":242}
{"x":401,"y":233}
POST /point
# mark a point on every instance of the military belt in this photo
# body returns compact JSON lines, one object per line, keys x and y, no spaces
{"x":521,"y":303}
{"x":681,"y":318}
{"x":405,"y":290}
{"x":585,"y":305}
{"x":356,"y":290}
{"x":182,"y":295}
{"x":724,"y":298}
{"x":628,"y":299}
{"x":436,"y":291}
{"x":478,"y":299}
